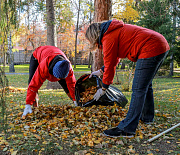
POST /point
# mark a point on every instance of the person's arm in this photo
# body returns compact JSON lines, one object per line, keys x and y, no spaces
{"x":111,"y":60}
{"x":71,"y":81}
{"x":34,"y":85}
{"x":110,"y":52}
{"x":63,"y":84}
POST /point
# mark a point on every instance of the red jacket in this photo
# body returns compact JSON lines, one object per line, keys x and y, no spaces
{"x":131,"y":41}
{"x":44,"y":55}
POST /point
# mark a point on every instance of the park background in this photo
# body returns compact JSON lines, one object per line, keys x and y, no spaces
{"x":57,"y":127}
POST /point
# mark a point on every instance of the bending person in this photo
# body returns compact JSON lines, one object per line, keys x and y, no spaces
{"x":141,"y":45}
{"x":49,"y":62}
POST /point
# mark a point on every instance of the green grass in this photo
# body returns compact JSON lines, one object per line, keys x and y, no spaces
{"x":81,"y":68}
{"x":18,"y":68}
{"x":25,"y":68}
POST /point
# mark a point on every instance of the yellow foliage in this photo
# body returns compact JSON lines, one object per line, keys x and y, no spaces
{"x":126,"y":12}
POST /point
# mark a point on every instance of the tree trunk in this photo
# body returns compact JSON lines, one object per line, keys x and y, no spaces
{"x":51,"y":35}
{"x":90,"y":53}
{"x":123,"y":65}
{"x":77,"y":27}
{"x":103,"y":11}
{"x":50,"y":23}
{"x":10,"y":54}
{"x":90,"y":59}
{"x":173,"y":39}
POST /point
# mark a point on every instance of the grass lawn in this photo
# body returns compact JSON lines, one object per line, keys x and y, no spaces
{"x":57,"y":127}
{"x":25,"y":68}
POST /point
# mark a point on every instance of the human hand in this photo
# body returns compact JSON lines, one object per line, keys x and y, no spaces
{"x":75,"y":103}
{"x":100,"y":92}
{"x":27,"y":110}
{"x":98,"y":73}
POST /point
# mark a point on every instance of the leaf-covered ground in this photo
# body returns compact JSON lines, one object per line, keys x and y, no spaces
{"x":56,"y":127}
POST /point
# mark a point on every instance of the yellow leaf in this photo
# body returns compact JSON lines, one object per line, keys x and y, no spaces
{"x":37,"y":136}
{"x":23,"y":117}
{"x":45,"y":142}
{"x":14,"y":152}
{"x":90,"y":143}
{"x":39,"y":124}
{"x":97,"y":141}
{"x":141,"y":136}
{"x":130,"y":146}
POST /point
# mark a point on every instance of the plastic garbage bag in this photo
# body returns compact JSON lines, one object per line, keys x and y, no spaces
{"x":112,"y":95}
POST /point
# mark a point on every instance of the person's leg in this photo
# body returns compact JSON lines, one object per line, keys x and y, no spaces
{"x":142,"y":79}
{"x":147,"y":115}
{"x":32,"y":67}
{"x":144,"y":73}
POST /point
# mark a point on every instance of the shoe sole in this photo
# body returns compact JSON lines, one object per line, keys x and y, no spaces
{"x":119,"y":136}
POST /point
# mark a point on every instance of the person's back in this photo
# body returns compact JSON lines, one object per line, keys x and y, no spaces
{"x":133,"y":42}
{"x":141,"y":42}
{"x":43,"y":52}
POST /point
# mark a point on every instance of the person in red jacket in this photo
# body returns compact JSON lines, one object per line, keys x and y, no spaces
{"x":49,"y":62}
{"x":141,"y":45}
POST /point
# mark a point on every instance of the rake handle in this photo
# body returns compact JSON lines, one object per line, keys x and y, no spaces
{"x":157,"y":136}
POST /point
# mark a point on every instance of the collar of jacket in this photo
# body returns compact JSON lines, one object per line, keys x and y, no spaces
{"x":103,"y":28}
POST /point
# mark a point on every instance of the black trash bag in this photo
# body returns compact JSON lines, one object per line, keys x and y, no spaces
{"x":112,"y":95}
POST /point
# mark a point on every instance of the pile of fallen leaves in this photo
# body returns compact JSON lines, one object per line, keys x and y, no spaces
{"x":84,"y":124}
{"x":88,"y":94}
{"x":11,"y":89}
{"x":79,"y":126}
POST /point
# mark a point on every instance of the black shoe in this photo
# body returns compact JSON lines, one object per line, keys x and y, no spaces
{"x":116,"y":132}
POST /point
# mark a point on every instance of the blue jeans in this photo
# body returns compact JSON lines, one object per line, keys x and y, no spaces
{"x":142,"y":101}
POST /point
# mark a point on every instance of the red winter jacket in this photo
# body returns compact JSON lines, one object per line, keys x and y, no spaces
{"x":44,"y":55}
{"x":131,"y":41}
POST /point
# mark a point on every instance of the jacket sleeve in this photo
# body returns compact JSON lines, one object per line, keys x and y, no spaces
{"x":71,"y":81}
{"x":110,"y":52}
{"x":34,"y":85}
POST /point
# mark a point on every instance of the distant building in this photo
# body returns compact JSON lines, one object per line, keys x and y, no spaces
{"x":23,"y":57}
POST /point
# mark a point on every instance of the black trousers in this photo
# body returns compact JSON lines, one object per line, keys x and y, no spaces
{"x":32,"y":67}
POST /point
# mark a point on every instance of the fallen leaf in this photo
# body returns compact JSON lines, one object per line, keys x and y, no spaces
{"x":37,"y":136}
{"x":14,"y":152}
